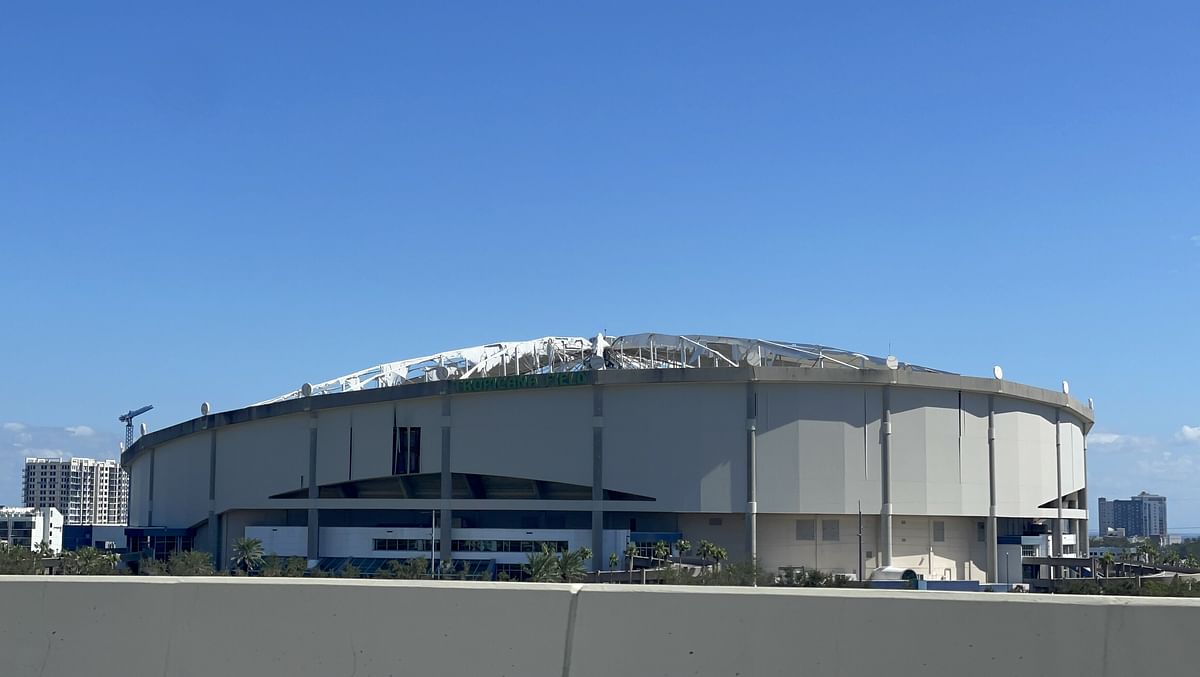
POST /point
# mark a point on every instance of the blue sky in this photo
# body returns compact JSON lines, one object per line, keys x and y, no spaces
{"x":220,"y":202}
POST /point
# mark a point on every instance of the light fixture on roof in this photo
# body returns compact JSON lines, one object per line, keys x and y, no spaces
{"x":306,"y":390}
{"x":1066,"y":388}
{"x":998,"y":373}
{"x":892,"y":362}
{"x":1091,"y":404}
{"x":204,"y":408}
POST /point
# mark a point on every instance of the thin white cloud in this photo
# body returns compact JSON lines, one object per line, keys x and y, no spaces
{"x":1117,"y":442}
{"x":1167,"y":465}
{"x":1188,"y":434}
{"x":80,"y":431}
{"x":14,"y":427}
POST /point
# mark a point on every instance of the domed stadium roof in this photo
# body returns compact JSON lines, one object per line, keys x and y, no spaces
{"x":557,"y":354}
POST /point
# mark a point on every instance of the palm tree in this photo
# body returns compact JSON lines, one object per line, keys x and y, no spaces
{"x":682,"y":547}
{"x":613,"y":560}
{"x":719,"y":554}
{"x":706,"y":550}
{"x":572,"y":565}
{"x":1107,"y":561}
{"x":89,"y":562}
{"x":1147,"y":552}
{"x":630,"y":553}
{"x":247,"y":554}
{"x":15,"y":559}
{"x":542,"y":566}
{"x":661,"y":550}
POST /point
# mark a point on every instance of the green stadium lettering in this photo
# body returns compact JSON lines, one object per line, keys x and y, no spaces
{"x":479,"y":385}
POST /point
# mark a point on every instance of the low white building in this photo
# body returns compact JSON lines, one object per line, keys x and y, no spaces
{"x":28,"y":527}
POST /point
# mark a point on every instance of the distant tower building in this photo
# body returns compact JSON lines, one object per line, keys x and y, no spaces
{"x":84,"y":490}
{"x":1142,"y":515}
{"x":1106,"y":516}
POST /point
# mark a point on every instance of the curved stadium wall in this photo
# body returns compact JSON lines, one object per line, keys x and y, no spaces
{"x":768,"y":461}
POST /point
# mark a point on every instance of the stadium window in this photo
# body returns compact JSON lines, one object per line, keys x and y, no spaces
{"x":939,"y":531}
{"x":806,"y":530}
{"x":831,"y":530}
{"x":980,"y":532}
{"x":414,"y":450}
{"x":406,"y":450}
{"x":714,"y":521}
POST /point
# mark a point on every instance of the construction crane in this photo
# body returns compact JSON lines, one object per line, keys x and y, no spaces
{"x":127,"y":419}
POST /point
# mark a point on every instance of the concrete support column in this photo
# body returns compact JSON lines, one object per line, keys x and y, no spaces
{"x":314,"y":527}
{"x":150,"y":493}
{"x":446,"y":518}
{"x":1083,"y":501}
{"x":885,"y":465}
{"x":752,"y":472}
{"x":214,"y":543}
{"x":599,"y":557}
{"x":1058,"y":522}
{"x":993,"y":568}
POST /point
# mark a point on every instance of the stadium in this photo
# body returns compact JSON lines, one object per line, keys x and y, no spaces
{"x":770,"y":449}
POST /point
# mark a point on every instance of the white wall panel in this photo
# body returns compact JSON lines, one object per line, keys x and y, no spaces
{"x":542,"y":434}
{"x":281,"y":541}
{"x":685,"y":445}
{"x":372,"y":453}
{"x":139,"y":491}
{"x":816,"y":453}
{"x":181,"y":480}
{"x":258,"y":459}
{"x":973,"y":466}
{"x":333,"y":445}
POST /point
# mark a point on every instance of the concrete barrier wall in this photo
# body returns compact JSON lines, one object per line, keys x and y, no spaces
{"x":322,"y":628}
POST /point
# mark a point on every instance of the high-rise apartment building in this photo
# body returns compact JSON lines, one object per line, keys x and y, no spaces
{"x":84,"y":490}
{"x":1142,"y":515}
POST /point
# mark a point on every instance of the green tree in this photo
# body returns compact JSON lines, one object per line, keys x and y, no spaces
{"x":661,"y":550}
{"x":613,"y":561}
{"x":413,"y":569}
{"x":720,"y":555}
{"x":630,"y":554}
{"x":1107,"y":561}
{"x":148,"y":566}
{"x":350,"y":571}
{"x":1147,"y":552}
{"x":190,"y":563}
{"x":89,"y":562}
{"x":272,"y":566}
{"x":15,"y":559}
{"x":683,"y":546}
{"x":572,"y":565}
{"x":247,"y":554}
{"x":542,"y":566}
{"x":295,"y":567}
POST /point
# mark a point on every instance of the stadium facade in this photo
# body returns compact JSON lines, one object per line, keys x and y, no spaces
{"x":767,"y":448}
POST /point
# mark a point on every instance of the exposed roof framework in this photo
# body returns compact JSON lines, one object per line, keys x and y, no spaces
{"x":555,"y":354}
